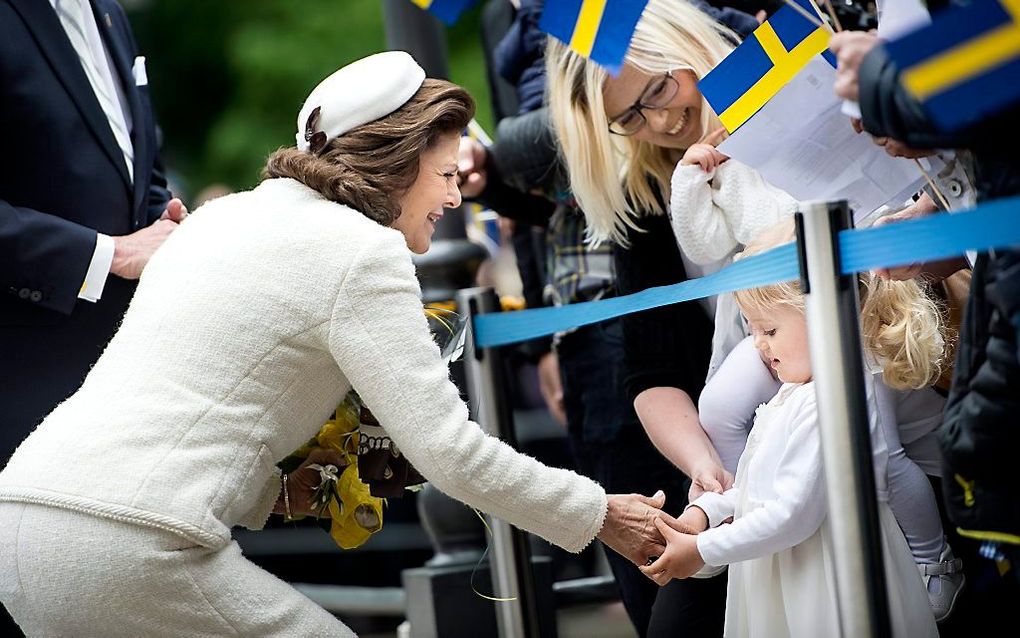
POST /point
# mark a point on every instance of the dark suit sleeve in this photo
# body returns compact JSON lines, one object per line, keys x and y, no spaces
{"x":668,"y":346}
{"x":43,"y":258}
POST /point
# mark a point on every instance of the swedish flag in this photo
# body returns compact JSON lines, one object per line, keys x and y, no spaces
{"x":965,"y":65}
{"x":597,"y":29}
{"x":763,"y":64}
{"x":446,"y":10}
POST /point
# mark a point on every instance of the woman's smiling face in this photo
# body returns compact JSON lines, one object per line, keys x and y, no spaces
{"x":422,"y":205}
{"x":674,"y":124}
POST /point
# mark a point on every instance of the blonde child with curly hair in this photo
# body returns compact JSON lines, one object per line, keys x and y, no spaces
{"x":771,"y":527}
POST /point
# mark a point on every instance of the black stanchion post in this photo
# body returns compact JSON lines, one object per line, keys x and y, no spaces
{"x":833,"y":317}
{"x":512,"y":575}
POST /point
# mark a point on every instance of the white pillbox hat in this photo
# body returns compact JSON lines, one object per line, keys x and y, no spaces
{"x":357,"y":94}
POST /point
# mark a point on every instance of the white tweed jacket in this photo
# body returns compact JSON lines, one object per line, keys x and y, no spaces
{"x":249,"y":325}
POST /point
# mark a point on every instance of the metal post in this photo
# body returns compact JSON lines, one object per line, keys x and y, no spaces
{"x":511,"y":556}
{"x":833,"y":317}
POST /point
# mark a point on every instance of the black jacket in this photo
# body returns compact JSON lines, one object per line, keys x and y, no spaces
{"x":980,"y":435}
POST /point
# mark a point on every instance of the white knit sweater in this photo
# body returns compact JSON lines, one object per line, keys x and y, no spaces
{"x":714,"y":214}
{"x":249,"y":325}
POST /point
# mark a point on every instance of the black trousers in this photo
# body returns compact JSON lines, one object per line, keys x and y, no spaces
{"x":610,"y":446}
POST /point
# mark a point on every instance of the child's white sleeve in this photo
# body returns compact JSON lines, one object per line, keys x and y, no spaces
{"x":713,"y":213}
{"x":792,"y":515}
{"x":717,"y":507}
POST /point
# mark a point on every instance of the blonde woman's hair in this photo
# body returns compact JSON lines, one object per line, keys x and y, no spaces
{"x":902,"y":326}
{"x":615,"y":178}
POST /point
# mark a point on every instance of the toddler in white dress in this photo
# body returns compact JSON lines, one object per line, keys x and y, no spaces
{"x":778,"y":547}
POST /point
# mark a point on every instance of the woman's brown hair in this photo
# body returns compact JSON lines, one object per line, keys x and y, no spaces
{"x":369,"y":168}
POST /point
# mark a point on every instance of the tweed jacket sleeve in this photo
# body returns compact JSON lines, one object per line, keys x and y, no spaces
{"x":381,"y":341}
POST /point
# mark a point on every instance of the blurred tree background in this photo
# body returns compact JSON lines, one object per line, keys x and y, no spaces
{"x":228,"y":77}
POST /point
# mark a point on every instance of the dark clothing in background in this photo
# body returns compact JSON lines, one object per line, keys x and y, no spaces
{"x":979,"y":435}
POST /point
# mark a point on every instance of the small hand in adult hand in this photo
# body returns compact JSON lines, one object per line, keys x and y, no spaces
{"x":680,"y":560}
{"x":850,"y":48}
{"x":706,"y":156}
{"x":550,"y":384}
{"x":471,"y":174}
{"x":302,"y":482}
{"x":132,"y":252}
{"x":630,"y":529}
{"x":692,"y":521}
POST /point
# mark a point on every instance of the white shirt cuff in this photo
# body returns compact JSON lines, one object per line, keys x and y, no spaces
{"x":99,"y":269}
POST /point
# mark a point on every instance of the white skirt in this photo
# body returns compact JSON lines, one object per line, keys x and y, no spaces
{"x":793,"y":593}
{"x":63,"y":573}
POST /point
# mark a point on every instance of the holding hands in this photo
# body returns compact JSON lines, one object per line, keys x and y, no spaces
{"x":681,"y":558}
{"x":630,"y":528}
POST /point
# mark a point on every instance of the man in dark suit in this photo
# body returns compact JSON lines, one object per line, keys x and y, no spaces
{"x":83,"y":198}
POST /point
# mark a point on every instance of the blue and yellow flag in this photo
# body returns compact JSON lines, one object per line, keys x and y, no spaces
{"x":446,"y":10}
{"x":965,"y":65}
{"x":763,"y":64}
{"x":597,"y":29}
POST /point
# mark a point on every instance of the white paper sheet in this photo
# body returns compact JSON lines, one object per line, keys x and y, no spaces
{"x":802,"y":143}
{"x":896,"y":17}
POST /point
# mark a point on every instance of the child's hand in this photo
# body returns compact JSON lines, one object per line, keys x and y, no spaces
{"x":680,"y":560}
{"x":704,"y":155}
{"x":692,"y":521}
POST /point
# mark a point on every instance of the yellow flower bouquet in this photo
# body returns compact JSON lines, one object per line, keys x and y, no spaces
{"x":354,"y":495}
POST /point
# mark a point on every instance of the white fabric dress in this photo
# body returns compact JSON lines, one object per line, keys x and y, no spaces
{"x":778,"y":547}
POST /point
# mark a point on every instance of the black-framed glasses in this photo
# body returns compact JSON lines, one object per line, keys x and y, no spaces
{"x":657,"y":94}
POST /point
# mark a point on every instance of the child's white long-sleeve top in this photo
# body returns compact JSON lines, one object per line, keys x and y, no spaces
{"x":779,"y":546}
{"x":780,"y":483}
{"x":716,"y":212}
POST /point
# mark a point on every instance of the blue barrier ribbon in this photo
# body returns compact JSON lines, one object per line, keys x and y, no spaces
{"x":992,"y":225}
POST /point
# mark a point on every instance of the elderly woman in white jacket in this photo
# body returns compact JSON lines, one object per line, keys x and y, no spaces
{"x":249,"y":325}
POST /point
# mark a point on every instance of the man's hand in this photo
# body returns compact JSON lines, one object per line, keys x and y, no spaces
{"x":175,"y":211}
{"x":630,"y":529}
{"x":897,"y":148}
{"x":132,"y":252}
{"x":471,"y":175}
{"x":931,"y":271}
{"x":680,"y":560}
{"x":550,"y":384}
{"x":850,"y":48}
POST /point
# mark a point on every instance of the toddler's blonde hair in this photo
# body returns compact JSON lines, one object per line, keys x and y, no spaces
{"x":902,"y":326}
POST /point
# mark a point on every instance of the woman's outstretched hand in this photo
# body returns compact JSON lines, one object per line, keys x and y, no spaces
{"x":630,"y":528}
{"x":302,"y":483}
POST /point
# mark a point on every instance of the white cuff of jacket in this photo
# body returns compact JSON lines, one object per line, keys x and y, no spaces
{"x":99,"y":269}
